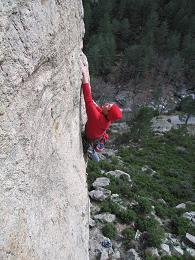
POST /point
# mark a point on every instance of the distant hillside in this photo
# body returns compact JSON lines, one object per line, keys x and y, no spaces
{"x":137,"y":38}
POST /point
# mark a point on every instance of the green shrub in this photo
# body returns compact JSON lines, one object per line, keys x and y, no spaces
{"x":161,"y":210}
{"x":120,"y":186}
{"x":105,"y":206}
{"x":144,"y":206}
{"x":180,"y":226}
{"x":109,"y":230}
{"x":114,"y":160}
{"x":127,"y":216}
{"x":128,"y":233}
{"x":92,"y":176}
{"x":109,"y":206}
{"x":190,"y":207}
{"x":155,"y":235}
{"x":92,"y":167}
{"x":106,"y":165}
{"x":141,"y":125}
{"x":192,"y":230}
{"x":154,"y":232}
{"x":122,"y":139}
{"x":173,"y":180}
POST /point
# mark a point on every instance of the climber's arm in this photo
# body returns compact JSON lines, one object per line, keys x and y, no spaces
{"x":89,"y":103}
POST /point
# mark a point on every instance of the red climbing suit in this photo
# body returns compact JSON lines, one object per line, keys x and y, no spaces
{"x":97,"y":123}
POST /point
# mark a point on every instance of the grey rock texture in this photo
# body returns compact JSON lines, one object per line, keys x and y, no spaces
{"x":96,"y":250}
{"x":132,"y":255}
{"x":43,"y":193}
{"x":105,"y":217}
{"x":165,"y":249}
{"x":177,"y":251}
{"x":100,"y":194}
{"x":101,"y":182}
{"x":118,"y":174}
{"x":152,"y":252}
{"x":190,"y":238}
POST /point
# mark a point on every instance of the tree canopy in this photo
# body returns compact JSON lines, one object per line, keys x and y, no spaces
{"x":138,"y":32}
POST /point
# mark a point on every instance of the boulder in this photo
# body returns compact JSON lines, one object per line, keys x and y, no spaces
{"x":177,"y":251}
{"x":137,"y":234}
{"x":96,"y":250}
{"x":109,"y":152}
{"x":162,"y":201}
{"x":165,"y":250}
{"x":132,"y":255}
{"x":190,"y":216}
{"x":101,"y":182}
{"x":148,"y":170}
{"x":174,"y":241}
{"x":157,"y":218}
{"x":105,"y":217}
{"x":99,"y":194}
{"x":115,"y":198}
{"x":190,"y":238}
{"x":152,"y":251}
{"x":104,"y":254}
{"x":181,"y":149}
{"x":118,"y":174}
{"x":160,"y":124}
{"x":116,"y":255}
{"x":119,"y":127}
{"x":190,"y":252}
{"x":94,"y":209}
{"x":134,"y":244}
{"x":181,"y":206}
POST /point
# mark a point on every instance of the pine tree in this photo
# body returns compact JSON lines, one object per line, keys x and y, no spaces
{"x":176,"y":67}
{"x":133,"y":56}
{"x":160,"y":27}
{"x":161,"y":36}
{"x":105,"y":25}
{"x":173,"y":43}
{"x":101,"y":53}
{"x":123,"y":34}
{"x":148,"y":60}
{"x":87,"y":19}
{"x":122,"y":8}
{"x":187,"y":105}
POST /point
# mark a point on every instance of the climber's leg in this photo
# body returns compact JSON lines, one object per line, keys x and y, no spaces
{"x":88,"y":149}
{"x":85,"y":143}
{"x":93,"y":155}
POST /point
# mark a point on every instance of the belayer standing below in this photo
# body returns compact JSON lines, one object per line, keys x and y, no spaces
{"x":98,"y":120}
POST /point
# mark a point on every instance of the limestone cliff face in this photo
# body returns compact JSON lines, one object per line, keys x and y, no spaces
{"x":43,"y":193}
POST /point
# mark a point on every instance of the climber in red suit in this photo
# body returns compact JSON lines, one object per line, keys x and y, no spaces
{"x":98,"y":118}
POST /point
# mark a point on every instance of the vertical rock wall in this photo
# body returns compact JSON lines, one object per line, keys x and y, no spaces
{"x":43,"y":192}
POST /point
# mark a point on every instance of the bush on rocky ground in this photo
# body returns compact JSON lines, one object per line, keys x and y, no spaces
{"x":127,"y":216}
{"x":144,"y":205}
{"x":180,"y":226}
{"x":109,"y":230}
{"x":128,"y":235}
{"x":154,"y":232}
{"x":120,"y":186}
{"x":159,"y":172}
